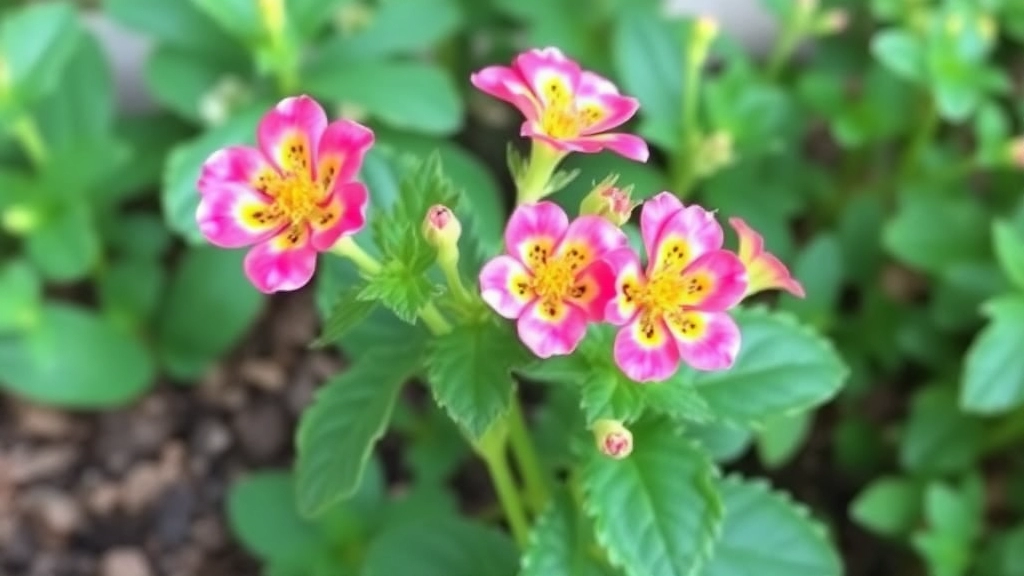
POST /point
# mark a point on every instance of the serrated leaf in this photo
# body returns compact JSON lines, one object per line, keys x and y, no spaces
{"x":656,"y":511}
{"x":676,"y":399}
{"x":608,"y":394}
{"x":939,"y":438}
{"x":782,"y":368}
{"x":470,"y":373}
{"x":559,"y":543}
{"x":349,"y":414}
{"x":889,"y":506}
{"x":767,"y":534}
{"x":404,"y":289}
{"x":993,"y":376}
{"x":440,"y":547}
{"x":346,"y":313}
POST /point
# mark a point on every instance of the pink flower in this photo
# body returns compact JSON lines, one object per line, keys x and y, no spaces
{"x":764,"y":270}
{"x":553,"y":279}
{"x":290,"y":198}
{"x":676,"y":310}
{"x":568,"y":108}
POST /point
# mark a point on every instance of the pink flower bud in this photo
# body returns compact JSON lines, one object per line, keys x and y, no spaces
{"x":613,"y":439}
{"x":441,"y":227}
{"x":611,"y":203}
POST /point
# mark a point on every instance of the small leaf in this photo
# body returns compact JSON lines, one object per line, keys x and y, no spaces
{"x":349,"y":414}
{"x":21,"y":294}
{"x":820,"y":268}
{"x":993,"y":376}
{"x":609,"y":394}
{"x":724,"y":442}
{"x":938,"y":438}
{"x":781,"y":438}
{"x":656,"y":511}
{"x":558,"y":543}
{"x":953,"y":523}
{"x":130,"y":289}
{"x":36,"y":43}
{"x":1009,"y":248}
{"x":441,"y":547}
{"x":934,"y":233}
{"x":179,"y":79}
{"x":241,"y":18}
{"x":677,"y":399}
{"x":347,"y":312}
{"x":75,"y":359}
{"x":767,"y":534}
{"x":900,"y":52}
{"x":176,"y":23}
{"x":66,"y":245}
{"x":397,"y":28}
{"x":403,"y":288}
{"x":469,"y":370}
{"x":889,"y":506}
{"x":783,"y":368}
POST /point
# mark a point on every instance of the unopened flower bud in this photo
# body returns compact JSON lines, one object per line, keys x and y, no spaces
{"x":1015,"y":152}
{"x":833,"y":21}
{"x":705,"y":28}
{"x":19,"y":220}
{"x":613,"y":439}
{"x":226,"y":96}
{"x":610,"y":202}
{"x":441,"y":228}
{"x":714,"y":153}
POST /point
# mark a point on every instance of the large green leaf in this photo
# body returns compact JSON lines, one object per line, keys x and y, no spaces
{"x":75,"y":359}
{"x":208,"y":307}
{"x":21,"y":294}
{"x":82,"y":110}
{"x":938,"y":438}
{"x":933,"y":233}
{"x":767,"y":534}
{"x":66,"y":244}
{"x":469,"y":370}
{"x":440,"y":547}
{"x":179,"y":79}
{"x":178,"y":23}
{"x":559,"y":543}
{"x":993,"y":376}
{"x":656,"y":511}
{"x":241,"y":18}
{"x":783,"y":368}
{"x":397,"y":28}
{"x":349,"y":414}
{"x":36,"y":43}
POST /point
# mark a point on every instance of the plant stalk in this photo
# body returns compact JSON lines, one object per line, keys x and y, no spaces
{"x":526,"y":458}
{"x":27,"y":132}
{"x":508,"y":493}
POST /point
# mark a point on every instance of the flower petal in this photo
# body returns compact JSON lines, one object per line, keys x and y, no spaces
{"x":340,"y":152}
{"x":283,"y":263}
{"x":594,"y":289}
{"x":706,"y":340}
{"x":236,"y":165}
{"x":629,"y":280}
{"x":343,"y":213}
{"x":552,"y":77}
{"x":505,"y":286}
{"x":552,"y":328}
{"x":288,"y":133}
{"x":588,"y":238}
{"x":714,"y":282}
{"x":764,"y":270}
{"x":655,"y":213}
{"x":234,"y":215}
{"x":625,"y":145}
{"x":534,"y":231}
{"x":686,"y":236}
{"x":506,"y":84}
{"x":646,"y":351}
{"x":601,"y":105}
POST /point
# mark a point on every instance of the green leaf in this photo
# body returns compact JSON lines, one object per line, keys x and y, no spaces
{"x":66,"y":244}
{"x":889,"y":506}
{"x":933,"y":233}
{"x":148,"y":139}
{"x":470,"y":372}
{"x":308,"y":16}
{"x":938,"y":438}
{"x":398,"y":27}
{"x":176,"y":23}
{"x":767,"y":534}
{"x":954,"y":521}
{"x":1004,"y":554}
{"x":900,"y":52}
{"x":179,"y":79}
{"x":36,"y":44}
{"x":142,"y":236}
{"x":130,"y":289}
{"x":403,"y":288}
{"x":656,"y":511}
{"x":783,"y":368}
{"x":83,"y":108}
{"x":724,"y":442}
{"x":208,"y":307}
{"x":75,"y":359}
{"x":781,"y":438}
{"x":179,"y":196}
{"x":820,"y":268}
{"x":349,"y":414}
{"x":1009,"y":248}
{"x":346,"y":313}
{"x":677,"y":399}
{"x":241,"y":18}
{"x":381,"y":89}
{"x":609,"y":394}
{"x":559,"y":542}
{"x":441,"y":547}
{"x":20,"y":296}
{"x":993,"y":376}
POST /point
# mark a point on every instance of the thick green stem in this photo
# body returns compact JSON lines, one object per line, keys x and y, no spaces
{"x":27,"y":132}
{"x":347,"y":248}
{"x":508,"y":494}
{"x":526,"y":458}
{"x":449,"y":264}
{"x":533,"y":185}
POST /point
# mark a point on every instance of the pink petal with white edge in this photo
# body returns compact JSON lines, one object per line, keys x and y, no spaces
{"x":343,"y":214}
{"x":687,"y":235}
{"x":234,"y":215}
{"x":505,"y":286}
{"x":278,"y":266}
{"x":506,"y":84}
{"x":552,"y":332}
{"x":656,"y":211}
{"x":552,"y":77}
{"x":535,"y":230}
{"x":706,"y":340}
{"x":235,"y":165}
{"x":594,"y":289}
{"x":715,"y":282}
{"x":644,"y":359}
{"x":534,"y":131}
{"x":629,"y":280}
{"x":625,"y":145}
{"x":591,"y":237}
{"x":340,"y":152}
{"x":288,"y":133}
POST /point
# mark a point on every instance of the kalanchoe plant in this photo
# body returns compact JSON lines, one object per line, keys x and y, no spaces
{"x":643,"y":490}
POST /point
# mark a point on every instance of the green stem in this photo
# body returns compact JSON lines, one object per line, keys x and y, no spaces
{"x":922,"y":136}
{"x":508,"y":494}
{"x":347,"y":248}
{"x":526,"y":458}
{"x":788,"y":41}
{"x":435,"y":321}
{"x":683,"y":168}
{"x":449,"y":264}
{"x":27,"y":132}
{"x":542,"y":164}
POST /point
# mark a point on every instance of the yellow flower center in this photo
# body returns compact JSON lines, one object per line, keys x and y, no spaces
{"x":562,"y":117}
{"x":555,"y":276}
